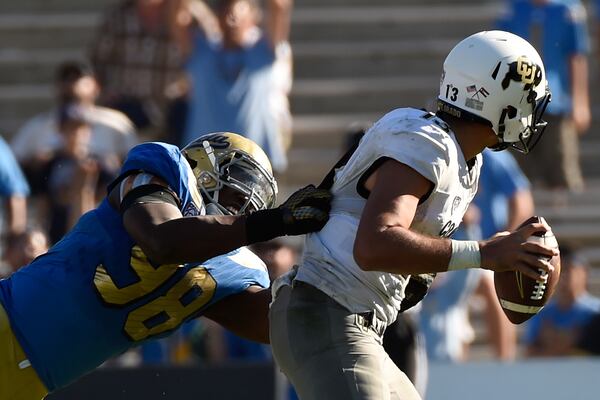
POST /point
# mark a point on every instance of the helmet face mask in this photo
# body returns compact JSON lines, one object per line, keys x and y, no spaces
{"x":233,"y":173}
{"x":497,"y":78}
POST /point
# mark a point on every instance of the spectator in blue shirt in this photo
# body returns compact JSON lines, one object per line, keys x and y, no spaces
{"x":556,"y":329}
{"x":558,"y":30}
{"x":14,"y":191}
{"x":504,"y":198}
{"x":503,"y":202}
{"x":241,"y":74}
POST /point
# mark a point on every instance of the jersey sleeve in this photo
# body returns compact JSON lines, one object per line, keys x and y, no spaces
{"x":423,"y":152}
{"x":234,"y":272}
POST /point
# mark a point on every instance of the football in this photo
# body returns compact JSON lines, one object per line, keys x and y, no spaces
{"x":520,"y":296}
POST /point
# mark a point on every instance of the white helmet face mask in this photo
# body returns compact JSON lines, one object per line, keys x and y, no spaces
{"x":497,"y":78}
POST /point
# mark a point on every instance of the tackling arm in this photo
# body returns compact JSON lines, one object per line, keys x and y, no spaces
{"x":246,"y":314}
{"x":166,"y":236}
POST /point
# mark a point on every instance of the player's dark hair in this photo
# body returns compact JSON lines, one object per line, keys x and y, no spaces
{"x":222,"y":5}
{"x":70,"y":71}
{"x":570,"y":256}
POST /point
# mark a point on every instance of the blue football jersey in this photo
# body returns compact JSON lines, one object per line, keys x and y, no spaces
{"x":95,"y":294}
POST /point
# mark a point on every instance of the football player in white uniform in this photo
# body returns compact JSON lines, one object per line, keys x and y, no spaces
{"x":397,"y":199}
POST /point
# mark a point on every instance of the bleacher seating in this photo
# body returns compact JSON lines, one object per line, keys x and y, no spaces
{"x":354,"y":60}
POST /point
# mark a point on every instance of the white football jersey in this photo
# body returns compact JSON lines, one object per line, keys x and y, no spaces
{"x":426,"y":144}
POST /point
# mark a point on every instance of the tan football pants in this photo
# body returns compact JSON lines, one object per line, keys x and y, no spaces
{"x":328,"y":354}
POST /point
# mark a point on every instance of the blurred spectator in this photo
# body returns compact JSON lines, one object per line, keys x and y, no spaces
{"x":279,"y":258}
{"x":558,"y":30}
{"x":503,"y":201}
{"x":556,"y":329}
{"x":139,"y":65}
{"x":589,"y":340}
{"x":240,"y":82}
{"x":112,"y":134}
{"x":14,"y":191}
{"x":204,"y":341}
{"x":444,"y":317}
{"x":75,"y":177}
{"x":22,"y":248}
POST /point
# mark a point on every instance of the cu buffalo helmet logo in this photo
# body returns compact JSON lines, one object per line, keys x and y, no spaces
{"x":523,"y":70}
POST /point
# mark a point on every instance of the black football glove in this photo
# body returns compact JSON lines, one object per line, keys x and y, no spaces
{"x":305,"y":211}
{"x":416,"y":289}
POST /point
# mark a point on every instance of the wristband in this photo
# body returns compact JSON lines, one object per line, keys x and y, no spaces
{"x":465,"y":254}
{"x":264,"y":225}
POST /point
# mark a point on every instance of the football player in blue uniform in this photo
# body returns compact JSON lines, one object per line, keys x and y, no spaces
{"x":140,"y":264}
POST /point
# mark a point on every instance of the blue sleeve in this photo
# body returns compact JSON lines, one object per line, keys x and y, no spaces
{"x":505,"y":172}
{"x":576,"y":37}
{"x":12,"y":180}
{"x":160,"y":159}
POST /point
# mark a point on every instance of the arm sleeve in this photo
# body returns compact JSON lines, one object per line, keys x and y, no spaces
{"x":422,"y":152}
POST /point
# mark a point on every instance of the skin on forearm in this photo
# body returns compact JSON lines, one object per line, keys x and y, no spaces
{"x":168,"y":237}
{"x":246,"y":314}
{"x":401,"y":251}
{"x":16,"y":214}
{"x":278,"y":20}
{"x":384,"y":241}
{"x":184,"y":17}
{"x":580,"y":92}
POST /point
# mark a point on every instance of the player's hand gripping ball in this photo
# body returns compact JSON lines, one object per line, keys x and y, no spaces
{"x":520,"y":296}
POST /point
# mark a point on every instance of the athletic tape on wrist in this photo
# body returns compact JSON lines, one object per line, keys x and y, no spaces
{"x":465,"y":254}
{"x":265,"y":225}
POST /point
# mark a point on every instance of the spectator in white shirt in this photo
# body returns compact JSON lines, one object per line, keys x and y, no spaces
{"x":112,"y":133}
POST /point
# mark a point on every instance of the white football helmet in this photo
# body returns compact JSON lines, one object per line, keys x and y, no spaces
{"x":497,"y":78}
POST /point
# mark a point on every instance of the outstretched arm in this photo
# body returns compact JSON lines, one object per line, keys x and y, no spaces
{"x":156,"y":224}
{"x":278,"y":20}
{"x":579,"y":83}
{"x":15,"y":211}
{"x":185,"y":17}
{"x":245,"y":314}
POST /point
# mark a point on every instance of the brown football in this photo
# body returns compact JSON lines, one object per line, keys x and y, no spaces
{"x":520,"y":296}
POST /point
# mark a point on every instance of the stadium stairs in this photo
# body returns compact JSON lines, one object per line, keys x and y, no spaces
{"x":354,"y":60}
